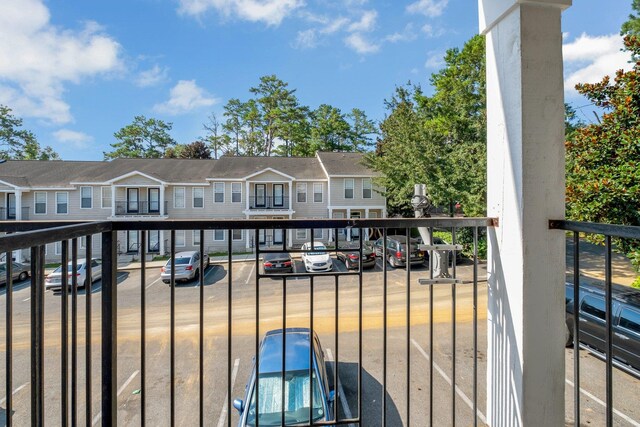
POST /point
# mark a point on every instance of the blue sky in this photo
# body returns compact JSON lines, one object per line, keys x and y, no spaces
{"x":77,"y":71}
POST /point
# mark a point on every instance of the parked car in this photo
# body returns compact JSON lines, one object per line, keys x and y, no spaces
{"x":19,"y":272}
{"x":316,"y":261}
{"x":397,"y":251}
{"x":625,"y":320}
{"x":299,"y":342}
{"x":349,"y":254}
{"x":54,"y":279}
{"x":187,"y":266}
{"x":277,"y":263}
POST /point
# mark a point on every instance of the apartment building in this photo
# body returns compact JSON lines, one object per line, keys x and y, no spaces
{"x":329,"y":185}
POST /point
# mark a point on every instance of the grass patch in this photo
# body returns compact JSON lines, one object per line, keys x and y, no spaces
{"x":160,"y":258}
{"x":636,"y":283}
{"x":226,"y":253}
{"x":52,"y":265}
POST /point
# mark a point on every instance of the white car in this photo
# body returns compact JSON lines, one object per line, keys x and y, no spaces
{"x":54,"y":279}
{"x":316,"y":261}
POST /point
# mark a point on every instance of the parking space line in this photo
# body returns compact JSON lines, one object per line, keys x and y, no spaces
{"x":460,"y":393}
{"x":604,"y":405}
{"x":343,"y":397}
{"x":14,"y":392}
{"x":27,"y":299}
{"x":253,"y":267}
{"x":153,"y":283}
{"x":223,"y":413}
{"x":120,"y":390}
{"x":211,"y":268}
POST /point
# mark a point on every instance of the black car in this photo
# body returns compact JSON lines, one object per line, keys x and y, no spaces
{"x":625,"y":317}
{"x":277,"y":263}
{"x":349,"y":254}
{"x":397,"y":251}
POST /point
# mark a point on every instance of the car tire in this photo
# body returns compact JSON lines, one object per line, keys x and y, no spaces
{"x":166,"y":281}
{"x":568,"y":336}
{"x":23,"y":276}
{"x":196,"y":276}
{"x":392,"y":261}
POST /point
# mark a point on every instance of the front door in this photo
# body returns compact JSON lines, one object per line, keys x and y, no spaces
{"x":133,"y":244}
{"x":132,"y":200}
{"x":260,"y":195}
{"x":278,"y":234}
{"x":278,"y":195}
{"x":355,"y":232}
{"x":154,"y":241}
{"x":11,"y":206}
{"x":154,"y":200}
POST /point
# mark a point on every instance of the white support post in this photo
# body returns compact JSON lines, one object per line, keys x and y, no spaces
{"x":247,"y":186}
{"x":162,"y":207}
{"x":161,"y":237}
{"x":525,"y":189}
{"x":290,"y":204}
{"x":113,"y":201}
{"x":248,"y":233}
{"x":366,"y":230}
{"x":348,"y":230}
{"x":290,"y":234}
{"x":18,"y":195}
{"x":331,"y":231}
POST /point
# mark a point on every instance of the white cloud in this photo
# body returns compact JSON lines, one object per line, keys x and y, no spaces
{"x":76,"y":139}
{"x":335,"y":25}
{"x":366,"y":23}
{"x":307,"y":39}
{"x":270,"y":12}
{"x":37,"y":59}
{"x":152,"y":76}
{"x":431,"y":32}
{"x":588,"y":59}
{"x":184,"y":97}
{"x":435,"y":60}
{"x":407,"y":35}
{"x":360,"y":44}
{"x":428,"y":8}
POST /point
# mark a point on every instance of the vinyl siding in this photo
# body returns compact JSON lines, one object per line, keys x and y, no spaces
{"x":337,"y":194}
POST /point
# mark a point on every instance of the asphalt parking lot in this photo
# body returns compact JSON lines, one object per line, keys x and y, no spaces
{"x":342,"y":347}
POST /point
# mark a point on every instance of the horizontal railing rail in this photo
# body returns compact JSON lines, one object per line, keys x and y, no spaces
{"x":35,"y":235}
{"x":609,"y":353}
{"x":142,"y":207}
{"x":268,"y":202}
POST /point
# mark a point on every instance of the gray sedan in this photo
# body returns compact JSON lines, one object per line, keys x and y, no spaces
{"x":187,"y":266}
{"x":19,"y":272}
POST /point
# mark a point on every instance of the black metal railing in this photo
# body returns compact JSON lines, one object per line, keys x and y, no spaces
{"x":604,"y":341}
{"x":268,"y":202}
{"x":140,"y":208}
{"x":9,"y":214}
{"x":414,"y":288}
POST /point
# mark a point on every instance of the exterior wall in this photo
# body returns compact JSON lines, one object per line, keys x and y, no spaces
{"x":337,"y":194}
{"x":137,"y":180}
{"x":74,"y":211}
{"x":311,"y":209}
{"x":269,"y":177}
{"x":210,"y":210}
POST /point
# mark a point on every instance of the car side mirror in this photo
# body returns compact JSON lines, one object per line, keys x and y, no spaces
{"x":332,"y":395}
{"x":239,"y":405}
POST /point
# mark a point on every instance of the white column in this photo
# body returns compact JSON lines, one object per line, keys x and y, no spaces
{"x":366,"y":230}
{"x":162,"y":209}
{"x":348,"y":231}
{"x":247,"y":233}
{"x":290,"y":197}
{"x":246,"y":195}
{"x":331,"y":230}
{"x":525,"y":152}
{"x":113,"y":200}
{"x":161,"y":237}
{"x":290,"y":234}
{"x":18,"y":195}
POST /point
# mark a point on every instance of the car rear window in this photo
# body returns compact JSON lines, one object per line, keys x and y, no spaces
{"x":181,"y":261}
{"x":630,"y":320}
{"x":593,"y":306}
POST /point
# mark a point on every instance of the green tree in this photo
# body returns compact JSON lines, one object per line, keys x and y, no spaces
{"x":603,"y":159}
{"x":253,"y":136}
{"x":20,"y":144}
{"x":233,"y":112}
{"x":438,"y":140}
{"x":362,"y":132}
{"x":216,"y":138}
{"x":329,"y":131}
{"x":143,"y":138}
{"x":632,"y":25}
{"x":196,"y":150}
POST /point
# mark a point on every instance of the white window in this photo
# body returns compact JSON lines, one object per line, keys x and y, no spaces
{"x":317,"y":192}
{"x":86,"y":197}
{"x":106,"y":197}
{"x":237,"y":234}
{"x":301,"y":192}
{"x":180,"y":238}
{"x":218,"y":235}
{"x":58,"y":248}
{"x":236,"y":192}
{"x":198,"y":197}
{"x":366,"y":188}
{"x":196,"y":237}
{"x":218,"y":192}
{"x":178,"y":198}
{"x":301,"y":234}
{"x":348,"y":188}
{"x":62,"y":203}
{"x":40,"y":203}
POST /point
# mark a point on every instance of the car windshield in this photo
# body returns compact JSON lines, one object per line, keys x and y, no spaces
{"x":59,"y":269}
{"x":296,"y":399}
{"x":318,"y":247}
{"x":180,"y":261}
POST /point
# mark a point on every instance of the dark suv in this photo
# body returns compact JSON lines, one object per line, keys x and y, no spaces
{"x":625,"y":317}
{"x":397,"y":251}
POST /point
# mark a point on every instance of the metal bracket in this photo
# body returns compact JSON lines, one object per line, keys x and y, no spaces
{"x":439,"y":281}
{"x":440,"y":247}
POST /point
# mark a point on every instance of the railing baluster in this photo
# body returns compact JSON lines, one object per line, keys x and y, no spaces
{"x":284,"y":348}
{"x":87,"y":332}
{"x":109,"y":329}
{"x":64,"y":331}
{"x":257,"y":284}
{"x":229,"y":321}
{"x":408,"y":332}
{"x":37,"y":336}
{"x":143,"y":327}
{"x":431,"y":329}
{"x":9,"y":339}
{"x":172,"y":409}
{"x":609,"y":331}
{"x":201,"y":334}
{"x":360,"y":283}
{"x":576,"y":328}
{"x":74,"y":333}
{"x":453,"y":332}
{"x":475,"y":326}
{"x":335,"y":386}
{"x":384,"y":329}
{"x":336,"y":374}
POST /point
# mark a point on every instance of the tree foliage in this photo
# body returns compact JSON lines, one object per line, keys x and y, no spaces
{"x":20,"y":144}
{"x":143,"y":138}
{"x":632,"y":25}
{"x":438,"y":140}
{"x":603,"y":159}
{"x":195,"y":150}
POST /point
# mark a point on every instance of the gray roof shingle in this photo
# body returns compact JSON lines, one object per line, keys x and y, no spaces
{"x":350,"y":164}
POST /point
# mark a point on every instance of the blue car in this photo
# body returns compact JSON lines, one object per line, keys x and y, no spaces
{"x":297,"y":384}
